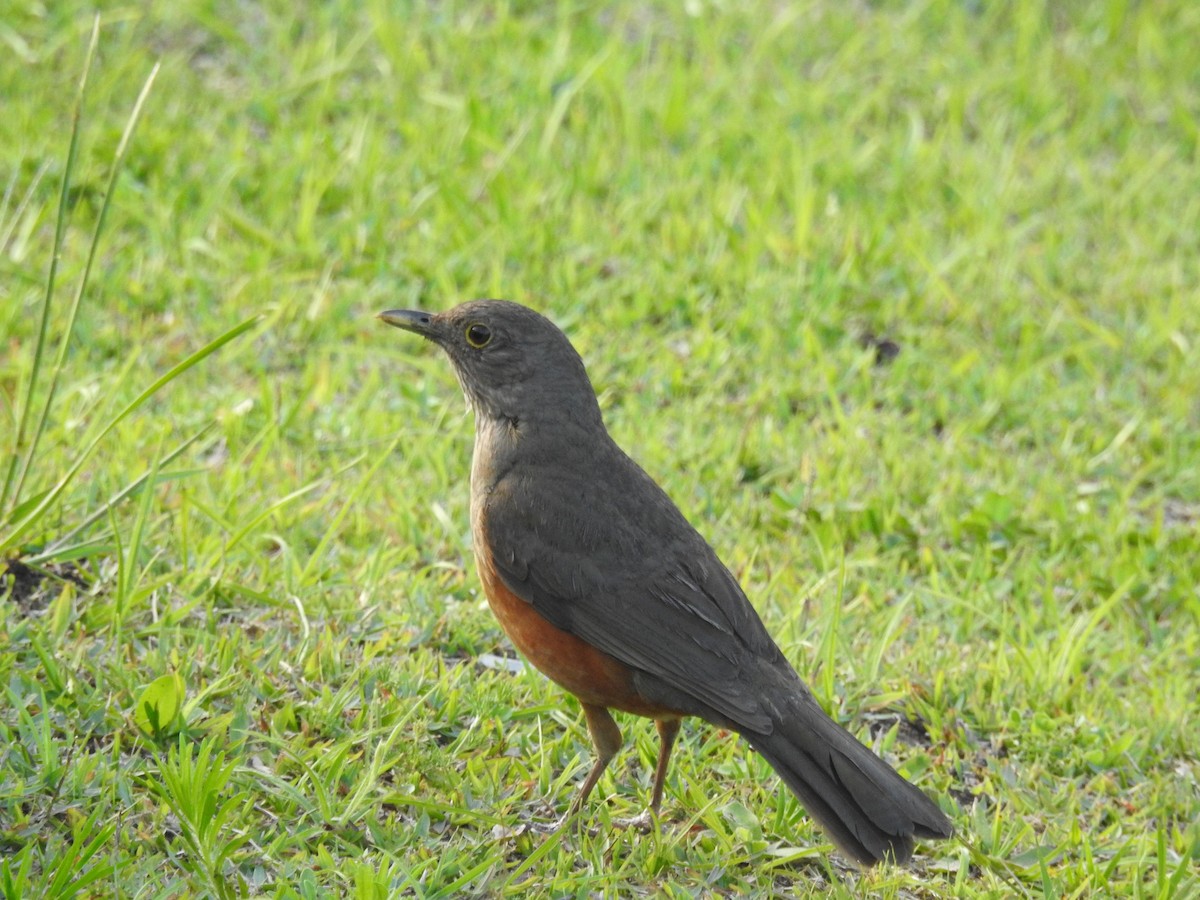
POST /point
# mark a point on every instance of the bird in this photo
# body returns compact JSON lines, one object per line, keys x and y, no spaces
{"x":601,"y":582}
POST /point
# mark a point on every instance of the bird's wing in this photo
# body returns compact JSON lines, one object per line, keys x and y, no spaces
{"x":613,"y":561}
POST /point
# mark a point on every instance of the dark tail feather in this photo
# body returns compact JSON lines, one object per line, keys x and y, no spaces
{"x":869,"y":811}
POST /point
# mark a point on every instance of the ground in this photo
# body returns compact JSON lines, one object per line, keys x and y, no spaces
{"x":899,"y":302}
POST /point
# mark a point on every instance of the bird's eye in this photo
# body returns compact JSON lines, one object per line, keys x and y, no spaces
{"x":478,"y":335}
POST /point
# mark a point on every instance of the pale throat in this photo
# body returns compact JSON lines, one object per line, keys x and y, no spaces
{"x":495,"y":441}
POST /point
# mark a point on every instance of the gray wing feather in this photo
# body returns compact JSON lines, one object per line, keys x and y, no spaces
{"x":598,"y":566}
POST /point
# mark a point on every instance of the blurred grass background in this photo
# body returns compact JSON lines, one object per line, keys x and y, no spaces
{"x":737,"y":212}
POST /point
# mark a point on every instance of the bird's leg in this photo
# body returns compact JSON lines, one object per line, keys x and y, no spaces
{"x":606,"y":737}
{"x":668,"y":730}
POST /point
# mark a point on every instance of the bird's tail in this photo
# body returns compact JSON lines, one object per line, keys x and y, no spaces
{"x":869,"y":811}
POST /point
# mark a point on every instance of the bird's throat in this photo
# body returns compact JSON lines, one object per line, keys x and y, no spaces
{"x":497,"y":441}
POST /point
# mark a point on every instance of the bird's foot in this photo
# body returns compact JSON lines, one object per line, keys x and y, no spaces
{"x":572,"y":821}
{"x":642,"y":823}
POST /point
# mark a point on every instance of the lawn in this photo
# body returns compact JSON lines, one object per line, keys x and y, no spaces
{"x":899,"y":301}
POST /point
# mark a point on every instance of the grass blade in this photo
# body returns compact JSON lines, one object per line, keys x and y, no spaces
{"x":51,"y":552}
{"x":65,"y":341}
{"x":22,"y":527}
{"x":12,"y":489}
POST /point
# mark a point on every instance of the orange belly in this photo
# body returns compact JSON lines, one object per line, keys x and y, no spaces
{"x":591,"y":675}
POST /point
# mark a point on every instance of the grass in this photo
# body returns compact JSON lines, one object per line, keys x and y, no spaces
{"x":243,"y":650}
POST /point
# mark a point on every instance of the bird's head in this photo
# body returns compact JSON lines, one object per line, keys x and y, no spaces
{"x":512,"y":362}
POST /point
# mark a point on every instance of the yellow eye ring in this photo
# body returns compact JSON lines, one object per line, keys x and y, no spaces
{"x":478,"y":335}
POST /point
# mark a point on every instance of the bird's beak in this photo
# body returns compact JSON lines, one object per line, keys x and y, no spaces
{"x":410,"y":320}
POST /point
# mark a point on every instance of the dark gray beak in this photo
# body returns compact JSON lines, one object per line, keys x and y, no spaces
{"x":410,"y":320}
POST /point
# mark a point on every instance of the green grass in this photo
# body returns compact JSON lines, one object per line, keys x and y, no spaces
{"x":993,"y":535}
